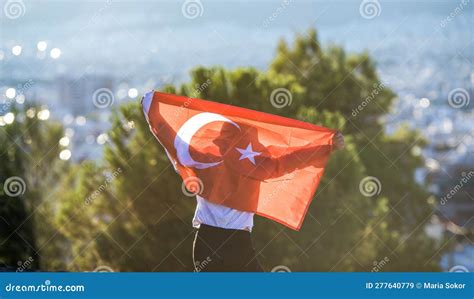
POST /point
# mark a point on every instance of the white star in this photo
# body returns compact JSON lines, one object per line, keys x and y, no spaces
{"x":248,"y":153}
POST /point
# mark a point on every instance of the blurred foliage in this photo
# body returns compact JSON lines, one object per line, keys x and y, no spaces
{"x":128,"y":212}
{"x":29,"y":150}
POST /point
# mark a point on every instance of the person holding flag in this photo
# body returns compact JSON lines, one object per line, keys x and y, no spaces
{"x":238,"y":162}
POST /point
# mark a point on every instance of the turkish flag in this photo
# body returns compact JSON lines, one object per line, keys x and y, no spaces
{"x":239,"y":158}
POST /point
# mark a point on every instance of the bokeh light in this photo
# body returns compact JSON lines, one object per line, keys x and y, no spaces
{"x":65,"y":155}
{"x":16,"y":50}
{"x":43,"y":114}
{"x":42,"y":45}
{"x":64,"y":141}
{"x":55,"y":53}
{"x":10,"y":93}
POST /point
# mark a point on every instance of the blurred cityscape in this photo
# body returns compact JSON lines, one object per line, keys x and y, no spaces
{"x":60,"y":57}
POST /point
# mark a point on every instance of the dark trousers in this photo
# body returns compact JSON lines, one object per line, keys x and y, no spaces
{"x":224,"y":250}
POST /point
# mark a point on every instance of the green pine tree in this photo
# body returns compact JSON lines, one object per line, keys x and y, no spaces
{"x":139,"y":220}
{"x":30,"y":168}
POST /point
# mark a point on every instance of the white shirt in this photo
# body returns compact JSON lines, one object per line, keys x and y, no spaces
{"x":219,"y":216}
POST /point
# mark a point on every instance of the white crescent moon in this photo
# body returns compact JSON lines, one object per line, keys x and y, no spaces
{"x":187,"y":131}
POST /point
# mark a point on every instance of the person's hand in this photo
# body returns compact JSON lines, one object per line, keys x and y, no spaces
{"x":338,"y":141}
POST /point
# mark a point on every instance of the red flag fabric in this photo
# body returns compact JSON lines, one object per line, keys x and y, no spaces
{"x":239,"y":158}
